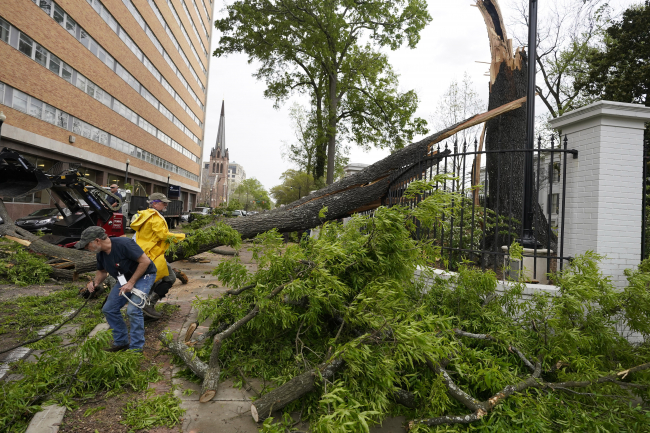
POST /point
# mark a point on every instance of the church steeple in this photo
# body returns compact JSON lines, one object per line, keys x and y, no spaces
{"x":221,"y":134}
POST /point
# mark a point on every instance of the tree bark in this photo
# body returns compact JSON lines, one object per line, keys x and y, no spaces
{"x":188,"y":356}
{"x":331,"y":133}
{"x":300,"y":385}
{"x":405,"y":398}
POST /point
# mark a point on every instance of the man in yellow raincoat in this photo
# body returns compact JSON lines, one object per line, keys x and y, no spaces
{"x":154,"y":237}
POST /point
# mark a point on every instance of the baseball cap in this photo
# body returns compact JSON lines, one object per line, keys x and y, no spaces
{"x":159,"y":196}
{"x":89,"y":235}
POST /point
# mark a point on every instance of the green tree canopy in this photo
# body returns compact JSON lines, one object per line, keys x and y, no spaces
{"x":330,"y":51}
{"x":620,"y":71}
{"x":295,"y":184}
{"x":252,"y":195}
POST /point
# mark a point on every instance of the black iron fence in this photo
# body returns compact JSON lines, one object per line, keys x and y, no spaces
{"x":645,"y":209}
{"x":485,"y":213}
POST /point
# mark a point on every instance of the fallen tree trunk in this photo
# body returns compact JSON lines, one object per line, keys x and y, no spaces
{"x":360,"y":191}
{"x":300,"y":385}
{"x":83,"y":261}
{"x":364,"y":190}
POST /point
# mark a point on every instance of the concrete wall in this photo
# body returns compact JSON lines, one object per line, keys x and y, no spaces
{"x":604,"y":189}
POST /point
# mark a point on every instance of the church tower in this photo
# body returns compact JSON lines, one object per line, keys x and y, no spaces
{"x":214,"y":190}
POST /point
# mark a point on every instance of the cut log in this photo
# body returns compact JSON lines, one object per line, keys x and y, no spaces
{"x":188,"y":356}
{"x":300,"y":385}
{"x":23,"y":242}
{"x":210,"y":384}
{"x":207,"y":335}
{"x":190,"y":331}
{"x":190,"y":359}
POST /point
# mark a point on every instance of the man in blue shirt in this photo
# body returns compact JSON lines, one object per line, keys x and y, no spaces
{"x":125,"y":261}
{"x":115,"y":190}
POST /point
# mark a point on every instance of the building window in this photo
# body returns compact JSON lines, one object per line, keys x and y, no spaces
{"x":59,"y":14}
{"x":62,"y":120}
{"x":4,"y":30}
{"x":20,"y":101}
{"x":25,"y":45}
{"x":71,"y":26}
{"x":36,"y":108}
{"x":554,"y":204}
{"x":554,"y":170}
{"x":49,"y":114}
{"x":41,"y":55}
{"x":46,"y":5}
{"x":55,"y":64}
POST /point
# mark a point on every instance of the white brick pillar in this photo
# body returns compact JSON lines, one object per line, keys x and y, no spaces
{"x":604,"y":184}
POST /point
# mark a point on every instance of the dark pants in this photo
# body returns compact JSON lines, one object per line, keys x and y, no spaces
{"x":162,"y":286}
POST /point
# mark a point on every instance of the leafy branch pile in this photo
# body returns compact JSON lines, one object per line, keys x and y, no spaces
{"x":339,"y":329}
{"x":69,"y":377}
{"x":19,"y":266}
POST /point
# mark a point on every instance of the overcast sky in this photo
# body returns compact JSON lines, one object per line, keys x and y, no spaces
{"x":255,"y":132}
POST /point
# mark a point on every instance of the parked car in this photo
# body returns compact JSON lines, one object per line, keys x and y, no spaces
{"x":237,"y":213}
{"x":185,"y":217}
{"x":42,"y":219}
{"x":199,"y":211}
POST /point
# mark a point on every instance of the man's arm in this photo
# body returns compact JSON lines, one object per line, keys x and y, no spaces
{"x":100,"y":276}
{"x":143,"y":264}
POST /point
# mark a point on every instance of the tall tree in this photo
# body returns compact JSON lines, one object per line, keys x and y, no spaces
{"x":295,"y":185}
{"x":620,"y":71}
{"x":252,"y":195}
{"x":330,"y":51}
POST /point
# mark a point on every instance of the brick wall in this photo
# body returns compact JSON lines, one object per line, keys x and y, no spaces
{"x":603,"y":199}
{"x":26,"y":75}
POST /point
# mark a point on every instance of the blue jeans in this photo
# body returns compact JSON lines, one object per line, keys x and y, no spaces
{"x":114,"y":304}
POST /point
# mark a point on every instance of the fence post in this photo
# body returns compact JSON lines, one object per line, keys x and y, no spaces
{"x":603,"y":206}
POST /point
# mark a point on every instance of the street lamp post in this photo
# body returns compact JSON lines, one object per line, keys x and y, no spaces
{"x":126,"y":172}
{"x":528,"y":237}
{"x":2,"y":120}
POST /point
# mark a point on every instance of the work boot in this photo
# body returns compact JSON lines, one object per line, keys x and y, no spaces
{"x":150,"y":310}
{"x":116,"y":348}
{"x":181,"y":276}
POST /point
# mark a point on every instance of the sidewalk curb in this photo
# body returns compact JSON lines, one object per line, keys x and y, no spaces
{"x":48,"y":420}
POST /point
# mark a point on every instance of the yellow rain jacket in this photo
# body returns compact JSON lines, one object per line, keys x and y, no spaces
{"x":152,"y":234}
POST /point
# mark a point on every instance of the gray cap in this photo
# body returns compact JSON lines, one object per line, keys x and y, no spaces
{"x":89,"y":235}
{"x":159,"y":196}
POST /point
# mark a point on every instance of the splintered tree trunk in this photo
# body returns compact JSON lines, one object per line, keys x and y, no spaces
{"x":505,"y":171}
{"x":300,"y":385}
{"x":508,"y":81}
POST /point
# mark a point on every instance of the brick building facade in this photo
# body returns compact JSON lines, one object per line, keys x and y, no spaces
{"x":103,"y":82}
